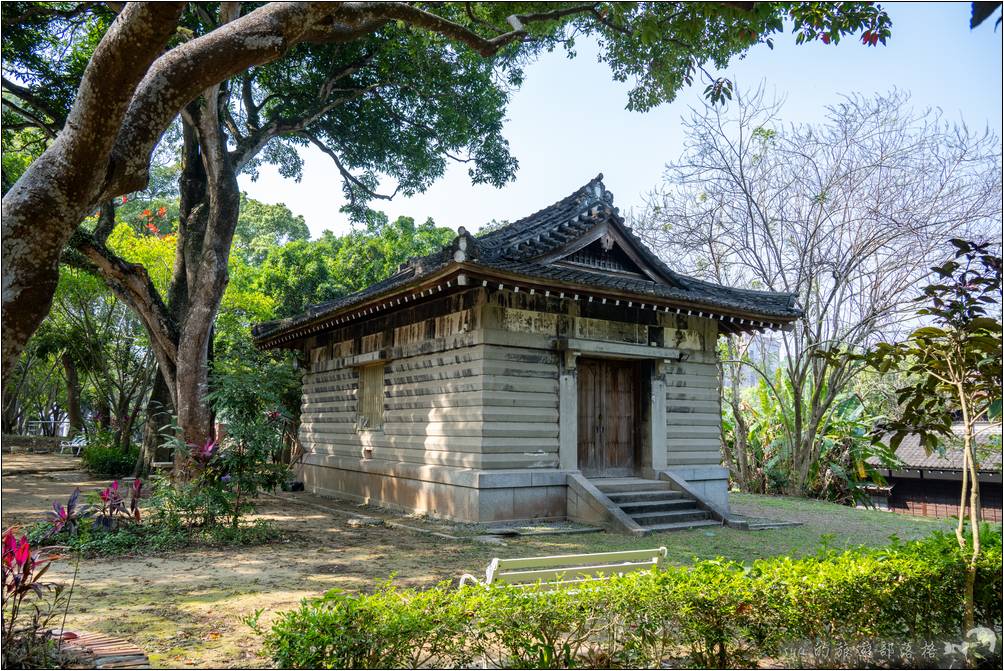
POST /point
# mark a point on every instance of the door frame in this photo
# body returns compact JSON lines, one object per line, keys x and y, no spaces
{"x":608,"y":373}
{"x":651,"y":456}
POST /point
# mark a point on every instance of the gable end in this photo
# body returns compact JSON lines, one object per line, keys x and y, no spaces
{"x":604,"y":255}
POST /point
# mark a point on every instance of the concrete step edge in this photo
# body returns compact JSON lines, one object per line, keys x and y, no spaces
{"x":631,"y":507}
{"x":669,"y":515}
{"x":679,"y":526}
{"x":629,"y":497}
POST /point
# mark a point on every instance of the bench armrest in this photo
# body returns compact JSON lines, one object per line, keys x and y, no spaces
{"x":467,"y":577}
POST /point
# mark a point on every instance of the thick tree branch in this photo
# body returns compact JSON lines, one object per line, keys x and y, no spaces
{"x":106,"y":222}
{"x":131,"y":283}
{"x":261,"y":37}
{"x":184,"y":72}
{"x":345,"y":172}
{"x":42,"y":209}
{"x":250,"y":109}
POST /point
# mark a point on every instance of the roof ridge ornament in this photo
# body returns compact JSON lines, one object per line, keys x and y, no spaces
{"x":600,"y":191}
{"x":464,"y":247}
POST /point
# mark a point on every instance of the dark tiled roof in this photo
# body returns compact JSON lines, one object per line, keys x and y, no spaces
{"x":524,"y":247}
{"x":759,"y":303}
{"x":912,"y":455}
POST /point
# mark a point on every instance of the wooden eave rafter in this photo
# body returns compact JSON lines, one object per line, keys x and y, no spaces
{"x":397,"y":296}
{"x":461,"y":274}
{"x":733,"y":320}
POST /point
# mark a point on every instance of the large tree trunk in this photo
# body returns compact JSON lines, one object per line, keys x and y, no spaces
{"x":64,"y":184}
{"x":210,"y":208}
{"x":181,"y":329}
{"x":73,"y":413}
{"x":104,"y":411}
{"x":158,"y":416}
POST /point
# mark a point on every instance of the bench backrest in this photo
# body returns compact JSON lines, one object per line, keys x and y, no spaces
{"x":566,"y":569}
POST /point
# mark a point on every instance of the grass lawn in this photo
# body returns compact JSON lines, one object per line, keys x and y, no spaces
{"x":184,"y":608}
{"x":837,"y":525}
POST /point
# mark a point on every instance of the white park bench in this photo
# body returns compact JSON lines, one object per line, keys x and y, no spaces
{"x":550,"y":572}
{"x":76,"y":445}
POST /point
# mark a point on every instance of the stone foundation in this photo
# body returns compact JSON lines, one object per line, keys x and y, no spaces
{"x":461,"y":495}
{"x":475,"y":496}
{"x":711,"y":483}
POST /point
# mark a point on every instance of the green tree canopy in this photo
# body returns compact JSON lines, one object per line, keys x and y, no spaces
{"x":303,"y":273}
{"x":262,"y":226}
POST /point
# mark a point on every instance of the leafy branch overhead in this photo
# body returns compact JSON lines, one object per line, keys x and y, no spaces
{"x":957,"y":358}
{"x":390,"y":91}
{"x":658,"y":46}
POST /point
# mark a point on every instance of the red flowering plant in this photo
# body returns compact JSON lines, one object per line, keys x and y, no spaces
{"x":26,"y":612}
{"x":115,"y":509}
{"x":67,"y":518}
{"x":204,"y":454}
{"x":149,"y":216}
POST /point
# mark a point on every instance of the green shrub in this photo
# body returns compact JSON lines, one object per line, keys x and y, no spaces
{"x":716,"y":613}
{"x":102,"y":457}
{"x":92,"y":540}
{"x":528,"y":628}
{"x":221,"y":478}
{"x":389,"y":629}
{"x":248,"y":394}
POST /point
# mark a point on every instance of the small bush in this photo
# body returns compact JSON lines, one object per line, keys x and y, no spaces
{"x":93,"y":541}
{"x":29,"y":605}
{"x":110,"y":522}
{"x":714,"y":613}
{"x":389,"y":629}
{"x":102,"y":457}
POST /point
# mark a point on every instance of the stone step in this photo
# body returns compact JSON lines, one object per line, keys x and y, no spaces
{"x":670,"y":516}
{"x":618,"y":485}
{"x":657,"y":505}
{"x":681,"y":526}
{"x":621,"y":498}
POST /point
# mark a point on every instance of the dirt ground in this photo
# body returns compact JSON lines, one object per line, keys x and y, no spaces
{"x":185,"y":608}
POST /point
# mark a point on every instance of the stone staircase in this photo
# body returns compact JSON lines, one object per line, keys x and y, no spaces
{"x":654,"y":504}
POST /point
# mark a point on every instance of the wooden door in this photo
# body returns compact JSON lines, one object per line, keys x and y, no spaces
{"x":609,"y":417}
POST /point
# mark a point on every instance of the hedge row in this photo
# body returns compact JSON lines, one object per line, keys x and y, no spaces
{"x":710,"y":614}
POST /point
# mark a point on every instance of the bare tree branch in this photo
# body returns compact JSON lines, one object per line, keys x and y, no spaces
{"x":849,"y":214}
{"x":345,"y":172}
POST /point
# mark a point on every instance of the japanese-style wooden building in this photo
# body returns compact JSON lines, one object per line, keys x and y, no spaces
{"x":930,"y":483}
{"x":552,"y":368}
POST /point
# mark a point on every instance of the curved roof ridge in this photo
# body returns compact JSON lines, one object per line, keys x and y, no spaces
{"x":502,"y":236}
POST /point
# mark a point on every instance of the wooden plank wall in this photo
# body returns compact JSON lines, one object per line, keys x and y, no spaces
{"x":693,"y":397}
{"x":456,"y":396}
{"x":479,"y":406}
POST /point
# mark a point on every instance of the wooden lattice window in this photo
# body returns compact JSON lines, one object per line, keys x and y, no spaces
{"x":598,"y":256}
{"x":370,"y":399}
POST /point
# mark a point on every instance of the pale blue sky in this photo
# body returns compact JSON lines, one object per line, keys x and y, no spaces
{"x":568,"y":122}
